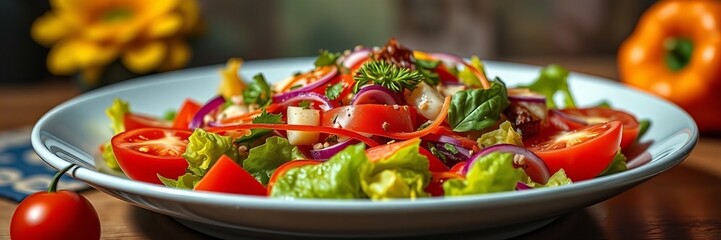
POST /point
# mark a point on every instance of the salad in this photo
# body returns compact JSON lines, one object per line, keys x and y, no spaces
{"x":374,"y":123}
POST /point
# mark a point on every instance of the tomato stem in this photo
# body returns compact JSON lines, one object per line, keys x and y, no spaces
{"x":54,"y":183}
{"x":678,"y":52}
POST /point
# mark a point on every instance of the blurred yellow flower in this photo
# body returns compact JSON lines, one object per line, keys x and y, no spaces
{"x":87,"y":35}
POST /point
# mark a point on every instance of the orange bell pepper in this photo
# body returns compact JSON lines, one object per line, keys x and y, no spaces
{"x":675,"y":52}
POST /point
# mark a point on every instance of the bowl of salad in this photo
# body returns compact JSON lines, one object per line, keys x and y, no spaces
{"x":381,"y":141}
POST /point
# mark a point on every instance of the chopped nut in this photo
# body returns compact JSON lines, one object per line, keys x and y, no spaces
{"x":318,"y":146}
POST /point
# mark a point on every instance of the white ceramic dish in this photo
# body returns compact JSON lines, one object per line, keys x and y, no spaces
{"x":72,"y":131}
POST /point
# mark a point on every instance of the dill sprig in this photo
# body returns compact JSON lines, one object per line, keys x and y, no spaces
{"x":387,"y":75}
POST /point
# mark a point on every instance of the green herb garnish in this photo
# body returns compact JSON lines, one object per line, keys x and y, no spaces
{"x":333,"y":92}
{"x":387,"y":75}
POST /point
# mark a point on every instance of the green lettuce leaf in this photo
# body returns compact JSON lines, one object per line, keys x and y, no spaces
{"x":469,"y":78}
{"x":339,"y":177}
{"x":116,"y":113}
{"x":557,"y":179}
{"x":264,"y":159}
{"x":491,"y":173}
{"x":186,"y":181}
{"x":476,"y":109}
{"x":402,"y":175}
{"x":617,"y":165}
{"x":204,"y":149}
{"x":504,"y":134}
{"x":553,"y":79}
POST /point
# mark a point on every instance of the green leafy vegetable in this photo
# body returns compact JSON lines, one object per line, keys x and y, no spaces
{"x":387,"y":75}
{"x":339,"y":177}
{"x":326,"y":58}
{"x":116,"y":113}
{"x":256,"y":134}
{"x":333,"y":91}
{"x":402,"y":175}
{"x":617,"y":165}
{"x":504,"y":134}
{"x":427,"y":69}
{"x":553,"y":79}
{"x":491,"y":173}
{"x":476,"y":109}
{"x":204,"y":149}
{"x":170,"y":115}
{"x":643,"y":126}
{"x":468,"y":77}
{"x":257,"y":92}
{"x":264,"y":159}
{"x":186,"y":181}
{"x":559,"y":178}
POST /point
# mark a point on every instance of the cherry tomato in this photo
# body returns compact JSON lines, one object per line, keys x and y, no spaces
{"x":582,"y":153}
{"x":226,"y":176}
{"x":435,"y":187}
{"x":571,"y":119}
{"x":186,"y":113}
{"x":371,"y":118}
{"x":282,"y":169}
{"x":134,"y":121}
{"x":146,"y":152}
{"x":55,"y":215}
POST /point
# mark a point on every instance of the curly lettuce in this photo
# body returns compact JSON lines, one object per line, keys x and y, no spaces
{"x":404,"y":174}
{"x":505,"y":134}
{"x":116,"y":113}
{"x":491,"y":173}
{"x":264,"y":159}
{"x":339,"y":177}
{"x":204,"y":149}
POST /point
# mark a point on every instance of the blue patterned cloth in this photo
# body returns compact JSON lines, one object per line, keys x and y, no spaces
{"x":22,"y":172}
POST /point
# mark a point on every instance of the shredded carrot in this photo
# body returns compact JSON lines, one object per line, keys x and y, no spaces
{"x":293,"y":127}
{"x":431,"y":128}
{"x":481,"y":76}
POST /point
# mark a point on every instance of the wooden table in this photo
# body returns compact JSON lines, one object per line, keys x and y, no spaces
{"x":681,"y":203}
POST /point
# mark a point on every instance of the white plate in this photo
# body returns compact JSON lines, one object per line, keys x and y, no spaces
{"x":72,"y":131}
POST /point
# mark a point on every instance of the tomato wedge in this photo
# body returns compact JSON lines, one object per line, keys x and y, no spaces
{"x":134,"y":121}
{"x":226,"y":176}
{"x":582,"y":153}
{"x":371,"y":118}
{"x":186,"y":113}
{"x":572,"y":119}
{"x":145,"y":153}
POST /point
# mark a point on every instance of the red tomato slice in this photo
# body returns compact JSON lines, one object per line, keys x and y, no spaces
{"x":435,"y":187}
{"x":226,"y":176}
{"x":282,"y":169}
{"x":146,"y":152}
{"x":582,"y":153}
{"x":459,"y":167}
{"x":371,"y":118}
{"x":186,"y":113}
{"x":572,"y":119}
{"x":434,"y":164}
{"x":134,"y":121}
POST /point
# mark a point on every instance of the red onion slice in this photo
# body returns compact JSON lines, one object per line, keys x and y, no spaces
{"x":525,"y":95}
{"x":355,"y":57}
{"x":522,"y":186}
{"x":199,"y":117}
{"x":322,"y":81}
{"x":533,"y":165}
{"x":433,"y":137}
{"x":326,"y":153}
{"x":375,"y":94}
{"x":290,"y":98}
